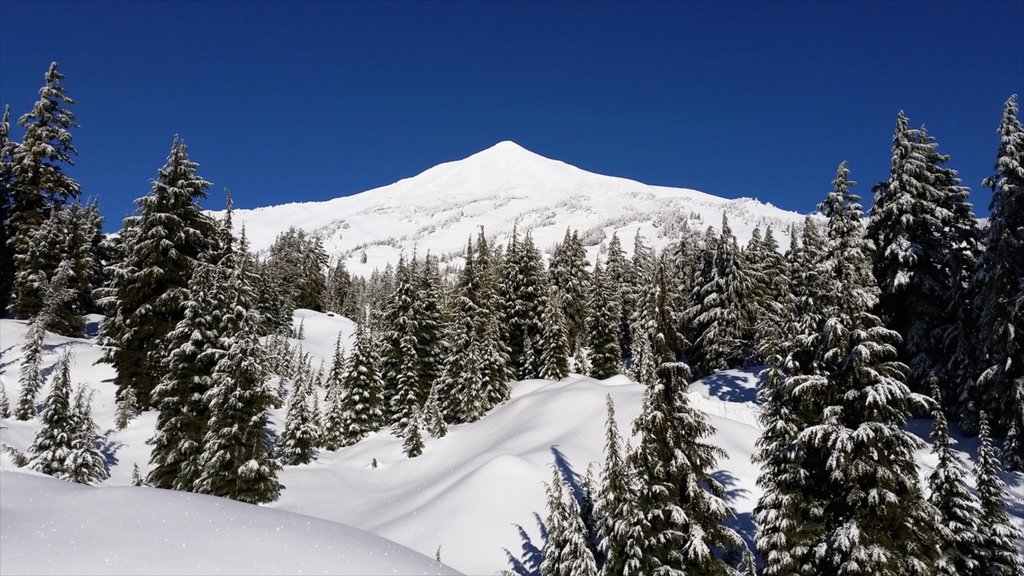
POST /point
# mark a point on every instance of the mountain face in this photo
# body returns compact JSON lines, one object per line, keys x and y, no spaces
{"x":503,"y":188}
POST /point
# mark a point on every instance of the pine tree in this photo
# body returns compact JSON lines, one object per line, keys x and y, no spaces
{"x":524,"y":285}
{"x":126,"y":407}
{"x":5,"y":403}
{"x":998,"y":546}
{"x":433,"y":420}
{"x":577,"y":559}
{"x":412,"y":433}
{"x":40,"y":184}
{"x":495,"y":364}
{"x":332,"y":424}
{"x":570,"y":279}
{"x":554,"y":345}
{"x":31,"y":377}
{"x":137,"y":476}
{"x":620,"y":274}
{"x":363,"y":389}
{"x":620,"y":521}
{"x":236,"y":461}
{"x":605,"y":356}
{"x":556,"y":525}
{"x":461,"y":384}
{"x":401,"y":368}
{"x":194,"y":342}
{"x":429,"y":305}
{"x":298,"y":440}
{"x":1000,"y":294}
{"x":920,"y":216}
{"x":948,"y":493}
{"x":54,"y":440}
{"x":149,"y":286}
{"x":7,"y":185}
{"x":86,"y":463}
{"x":683,"y":504}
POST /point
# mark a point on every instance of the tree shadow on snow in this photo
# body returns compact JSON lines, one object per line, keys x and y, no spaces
{"x":730,"y":388}
{"x":743,"y":523}
{"x":108,"y":448}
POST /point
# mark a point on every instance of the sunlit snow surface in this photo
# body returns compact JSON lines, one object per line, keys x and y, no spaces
{"x":500,"y":188}
{"x":464,"y":495}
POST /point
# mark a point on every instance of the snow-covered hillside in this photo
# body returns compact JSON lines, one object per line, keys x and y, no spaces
{"x":465,"y":495}
{"x":498,"y":188}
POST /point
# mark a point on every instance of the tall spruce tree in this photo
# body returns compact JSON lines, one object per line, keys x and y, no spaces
{"x":620,"y":272}
{"x":298,"y":441}
{"x":86,"y":463}
{"x":920,"y":222}
{"x":949,"y":494}
{"x":461,"y":385}
{"x":148,"y":287}
{"x":683,"y":504}
{"x":999,"y":539}
{"x":570,"y":278}
{"x":31,"y":377}
{"x":363,"y":390}
{"x":554,"y":343}
{"x":236,"y":460}
{"x":496,"y":367}
{"x":1000,"y":294}
{"x":605,"y":316}
{"x":7,"y":184}
{"x":54,"y":440}
{"x":620,"y":520}
{"x":523,"y":288}
{"x":40,"y":183}
{"x":5,"y":402}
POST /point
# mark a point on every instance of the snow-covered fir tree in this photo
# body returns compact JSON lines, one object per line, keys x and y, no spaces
{"x":1000,"y":294}
{"x":620,"y":272}
{"x":429,"y":302}
{"x":496,"y":367}
{"x":149,"y":285}
{"x":433,"y":419}
{"x":401,"y":367}
{"x":921,"y":209}
{"x":7,"y":183}
{"x":412,"y":434}
{"x":571,"y":279}
{"x":363,"y":389}
{"x":30,"y":378}
{"x":949,"y":493}
{"x":37,"y":165}
{"x":54,"y":440}
{"x":999,"y":539}
{"x":125,"y":410}
{"x":5,"y":402}
{"x":577,"y":558}
{"x":554,"y":339}
{"x":194,"y":343}
{"x":523,"y":289}
{"x":294,"y":270}
{"x":620,"y":522}
{"x":461,"y":384}
{"x":298,"y":441}
{"x":332,"y":422}
{"x":137,"y":476}
{"x":605,"y":315}
{"x":683,"y":504}
{"x":555,"y":526}
{"x":86,"y":463}
{"x":236,"y":460}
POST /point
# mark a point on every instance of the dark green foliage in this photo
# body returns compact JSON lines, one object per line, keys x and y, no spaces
{"x":298,"y":441}
{"x":999,"y":538}
{"x":295,"y":270}
{"x":86,"y":464}
{"x":523,"y":289}
{"x":620,"y":521}
{"x":605,"y":315}
{"x":7,"y":184}
{"x":54,"y":441}
{"x":148,"y":286}
{"x":362,"y":390}
{"x":554,"y":343}
{"x":570,"y":278}
{"x":683,"y":505}
{"x":31,"y":378}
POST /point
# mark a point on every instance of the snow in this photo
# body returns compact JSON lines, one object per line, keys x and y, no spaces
{"x":465,"y":495}
{"x":497,"y":189}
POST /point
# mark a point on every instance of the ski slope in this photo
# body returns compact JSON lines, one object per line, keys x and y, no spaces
{"x":463,"y":499}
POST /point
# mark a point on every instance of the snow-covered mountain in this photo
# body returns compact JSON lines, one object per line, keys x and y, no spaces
{"x":500,"y":188}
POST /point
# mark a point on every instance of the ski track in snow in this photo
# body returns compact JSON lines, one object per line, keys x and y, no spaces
{"x":465,"y":494}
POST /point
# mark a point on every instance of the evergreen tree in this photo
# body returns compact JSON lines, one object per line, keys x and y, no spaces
{"x":400,"y":364}
{"x":137,"y":476}
{"x":363,"y":389}
{"x":53,"y":443}
{"x":149,"y":286}
{"x":295,"y":271}
{"x":999,"y":538}
{"x":85,"y":463}
{"x":412,"y":434}
{"x":1000,"y":289}
{"x":522,"y":294}
{"x":5,"y":403}
{"x":571,"y":280}
{"x":620,"y":521}
{"x":31,"y":377}
{"x":554,"y":345}
{"x":429,"y":305}
{"x":7,"y":184}
{"x":126,"y":407}
{"x":236,"y":461}
{"x":577,"y":559}
{"x":298,"y":440}
{"x":40,"y":184}
{"x":433,"y":420}
{"x":605,"y":357}
{"x":683,"y":504}
{"x":495,"y":364}
{"x":194,"y":342}
{"x":556,"y":525}
{"x":920,"y":219}
{"x":620,"y":273}
{"x":948,"y":493}
{"x":332,"y":424}
{"x":461,"y":384}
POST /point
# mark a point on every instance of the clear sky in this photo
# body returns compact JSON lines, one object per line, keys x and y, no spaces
{"x":306,"y":101}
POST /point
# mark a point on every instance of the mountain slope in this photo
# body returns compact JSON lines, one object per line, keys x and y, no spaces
{"x":500,"y":188}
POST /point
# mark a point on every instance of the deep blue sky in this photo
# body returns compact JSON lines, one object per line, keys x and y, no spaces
{"x":305,"y":101}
